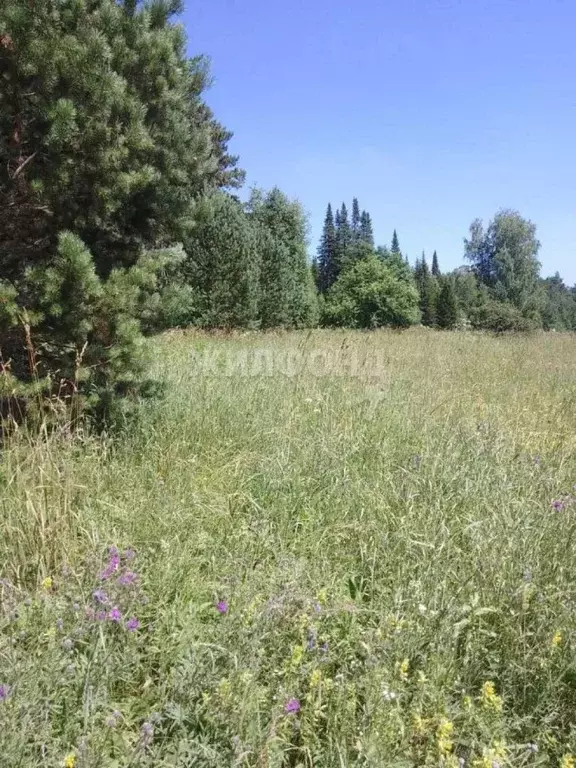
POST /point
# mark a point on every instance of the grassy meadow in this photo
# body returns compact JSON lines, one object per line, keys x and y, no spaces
{"x":319,"y":549}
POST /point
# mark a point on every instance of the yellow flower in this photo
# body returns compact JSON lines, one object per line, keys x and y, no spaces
{"x":557,"y":639}
{"x":444,"y":736}
{"x":568,"y":761}
{"x":490,"y":698}
{"x":315,"y":678}
{"x":47,"y":583}
{"x":70,"y":760}
{"x":403,"y":668}
{"x":322,"y":596}
{"x":419,"y":724}
{"x":297,"y":654}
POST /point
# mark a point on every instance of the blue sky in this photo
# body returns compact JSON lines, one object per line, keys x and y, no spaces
{"x":431,"y":112}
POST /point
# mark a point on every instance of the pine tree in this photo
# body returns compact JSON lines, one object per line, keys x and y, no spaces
{"x":395,"y":243}
{"x":435,"y":265}
{"x":105,"y":144}
{"x":355,"y":219}
{"x":366,"y":232}
{"x":327,"y":254}
{"x":447,"y":306}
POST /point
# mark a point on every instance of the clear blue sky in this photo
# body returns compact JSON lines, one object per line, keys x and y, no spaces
{"x":431,"y":112}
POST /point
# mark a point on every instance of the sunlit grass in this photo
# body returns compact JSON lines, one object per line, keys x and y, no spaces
{"x":385,"y":540}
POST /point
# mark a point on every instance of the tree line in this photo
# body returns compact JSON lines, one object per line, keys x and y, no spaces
{"x":119,"y":217}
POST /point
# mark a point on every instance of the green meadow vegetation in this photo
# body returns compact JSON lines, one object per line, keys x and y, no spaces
{"x":259,"y":508}
{"x":373,"y":568}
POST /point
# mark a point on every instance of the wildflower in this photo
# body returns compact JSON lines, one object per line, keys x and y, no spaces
{"x":568,"y":761}
{"x":557,"y":639}
{"x":444,"y":737}
{"x":297,"y":654}
{"x":315,"y":678}
{"x":324,"y":647}
{"x":403,"y":668}
{"x":75,"y":607}
{"x":222,"y":606}
{"x":115,"y":614}
{"x":100,"y":596}
{"x":47,"y":583}
{"x":130,"y":554}
{"x":70,"y":760}
{"x":419,"y":724}
{"x":292,"y":707}
{"x":60,"y":624}
{"x":100,"y":616}
{"x":127,"y":578}
{"x":113,"y":719}
{"x":4,"y":692}
{"x":67,"y":644}
{"x":112,"y":566}
{"x":146,"y":733}
{"x":532,"y":747}
{"x":311,"y":644}
{"x":422,"y":677}
{"x":132,"y":624}
{"x":490,"y":698}
{"x":388,"y":695}
{"x":558,"y":505}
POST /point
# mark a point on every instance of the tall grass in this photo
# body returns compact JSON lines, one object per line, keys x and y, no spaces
{"x":391,"y":543}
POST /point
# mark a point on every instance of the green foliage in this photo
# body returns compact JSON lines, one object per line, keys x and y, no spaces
{"x":369,"y":294}
{"x":395,"y":244}
{"x":435,"y":265}
{"x":446,"y":305}
{"x":504,"y":257}
{"x":428,"y":289}
{"x":223,"y":265}
{"x":366,"y":232}
{"x":558,"y":306}
{"x":328,"y":266}
{"x":499,"y":317}
{"x":287,"y":292}
{"x":105,"y":143}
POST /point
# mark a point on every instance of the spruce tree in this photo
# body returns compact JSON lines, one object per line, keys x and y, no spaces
{"x":447,"y":306}
{"x":395,"y":243}
{"x":355,"y":226}
{"x":366,"y":232}
{"x":343,"y":236}
{"x":428,"y":290}
{"x":435,"y":265}
{"x":327,"y":253}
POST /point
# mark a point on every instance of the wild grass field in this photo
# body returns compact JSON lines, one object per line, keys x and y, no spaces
{"x":320,"y":549}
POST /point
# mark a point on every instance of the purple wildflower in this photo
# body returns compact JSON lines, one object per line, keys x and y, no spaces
{"x":292,"y":707}
{"x":132,"y":624}
{"x":324,"y":647}
{"x":100,"y":616}
{"x":115,"y":614}
{"x":147,"y":732}
{"x":558,"y":505}
{"x":113,"y":719}
{"x":4,"y":692}
{"x":59,"y":624}
{"x":100,"y":596}
{"x":222,"y":606}
{"x":130,"y":554}
{"x":113,"y":565}
{"x":67,"y":644}
{"x":127,"y":578}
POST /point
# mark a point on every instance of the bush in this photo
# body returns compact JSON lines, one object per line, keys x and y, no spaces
{"x":500,"y":317}
{"x":369,"y":295}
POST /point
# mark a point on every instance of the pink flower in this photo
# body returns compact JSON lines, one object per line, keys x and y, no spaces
{"x":132,"y":624}
{"x":115,"y":614}
{"x":292,"y":707}
{"x":222,"y":606}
